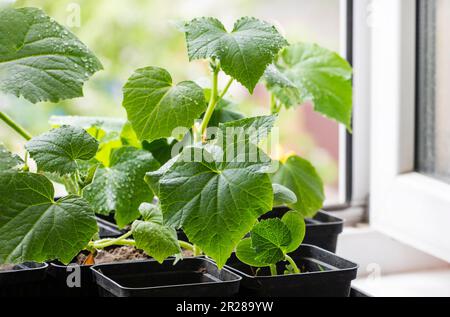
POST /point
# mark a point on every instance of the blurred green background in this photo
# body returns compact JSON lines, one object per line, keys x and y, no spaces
{"x":126,"y":35}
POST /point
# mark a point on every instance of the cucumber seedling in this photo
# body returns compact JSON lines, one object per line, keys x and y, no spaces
{"x":213,"y":185}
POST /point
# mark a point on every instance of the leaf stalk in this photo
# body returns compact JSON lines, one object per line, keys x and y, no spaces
{"x":293,"y":264}
{"x":212,"y":101}
{"x":122,"y":240}
{"x":187,"y":246}
{"x":273,"y":270}
{"x":215,"y":98}
{"x":15,"y":126}
{"x":197,"y":251}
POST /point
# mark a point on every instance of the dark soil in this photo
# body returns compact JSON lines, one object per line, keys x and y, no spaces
{"x":119,"y":254}
{"x":115,"y":254}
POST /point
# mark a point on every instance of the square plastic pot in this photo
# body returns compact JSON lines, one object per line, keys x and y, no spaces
{"x":23,"y":280}
{"x":191,"y":277}
{"x":324,"y":275}
{"x":58,"y":273}
{"x":108,"y":229}
{"x":356,"y":292}
{"x":322,"y":230}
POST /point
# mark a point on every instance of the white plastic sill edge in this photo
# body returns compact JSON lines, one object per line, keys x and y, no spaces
{"x":389,"y":268}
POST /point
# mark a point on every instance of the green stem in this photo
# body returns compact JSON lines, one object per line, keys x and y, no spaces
{"x":101,"y":244}
{"x":196,"y":133}
{"x":197,"y":251}
{"x":293,"y":264}
{"x":187,"y":246}
{"x":212,"y":101}
{"x":104,"y":243}
{"x":225,"y":90}
{"x":273,"y":270}
{"x":75,"y":188}
{"x":70,"y":185}
{"x":220,"y":97}
{"x":15,"y":126}
{"x":78,"y":181}
{"x":26,"y":168}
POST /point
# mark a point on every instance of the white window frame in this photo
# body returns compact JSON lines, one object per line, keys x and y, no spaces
{"x":408,"y":206}
{"x":354,"y":148}
{"x":360,"y":57}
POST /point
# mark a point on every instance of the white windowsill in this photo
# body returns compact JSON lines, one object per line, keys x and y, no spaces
{"x":414,"y":284}
{"x":389,"y":268}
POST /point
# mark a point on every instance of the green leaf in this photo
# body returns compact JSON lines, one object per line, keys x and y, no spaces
{"x":161,"y":149}
{"x":244,"y":53}
{"x":120,"y":188}
{"x":282,"y":87}
{"x":89,"y":174}
{"x":275,"y":78}
{"x":296,"y":224}
{"x":156,"y":107}
{"x":152,"y":178}
{"x":216,"y":202}
{"x":247,"y":254}
{"x":320,"y":76}
{"x":224,"y":115}
{"x":84,"y":167}
{"x":111,"y":133}
{"x":109,"y":142}
{"x":151,"y":213}
{"x":252,"y":130}
{"x":301,"y":177}
{"x":40,"y":59}
{"x":59,"y":149}
{"x":96,"y":132}
{"x":8,"y":161}
{"x":129,"y":137}
{"x":107,"y":131}
{"x":35,"y":228}
{"x":270,"y":239}
{"x":283,"y":195}
{"x":156,"y":240}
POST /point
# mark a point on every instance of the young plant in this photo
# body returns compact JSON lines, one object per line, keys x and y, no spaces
{"x":270,"y":242}
{"x":215,"y":188}
{"x":210,"y":190}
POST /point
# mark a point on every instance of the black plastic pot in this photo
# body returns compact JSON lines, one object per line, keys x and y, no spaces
{"x":322,"y":230}
{"x":192,"y":277}
{"x":325,"y":275}
{"x":356,"y":292}
{"x":23,"y":280}
{"x":58,"y":273}
{"x":108,"y":229}
{"x":182,"y":236}
{"x":57,"y":277}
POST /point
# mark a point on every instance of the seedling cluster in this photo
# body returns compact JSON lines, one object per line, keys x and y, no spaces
{"x":126,"y":168}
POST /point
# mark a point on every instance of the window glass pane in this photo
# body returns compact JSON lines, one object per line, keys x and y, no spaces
{"x":433,"y":157}
{"x":136,"y":33}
